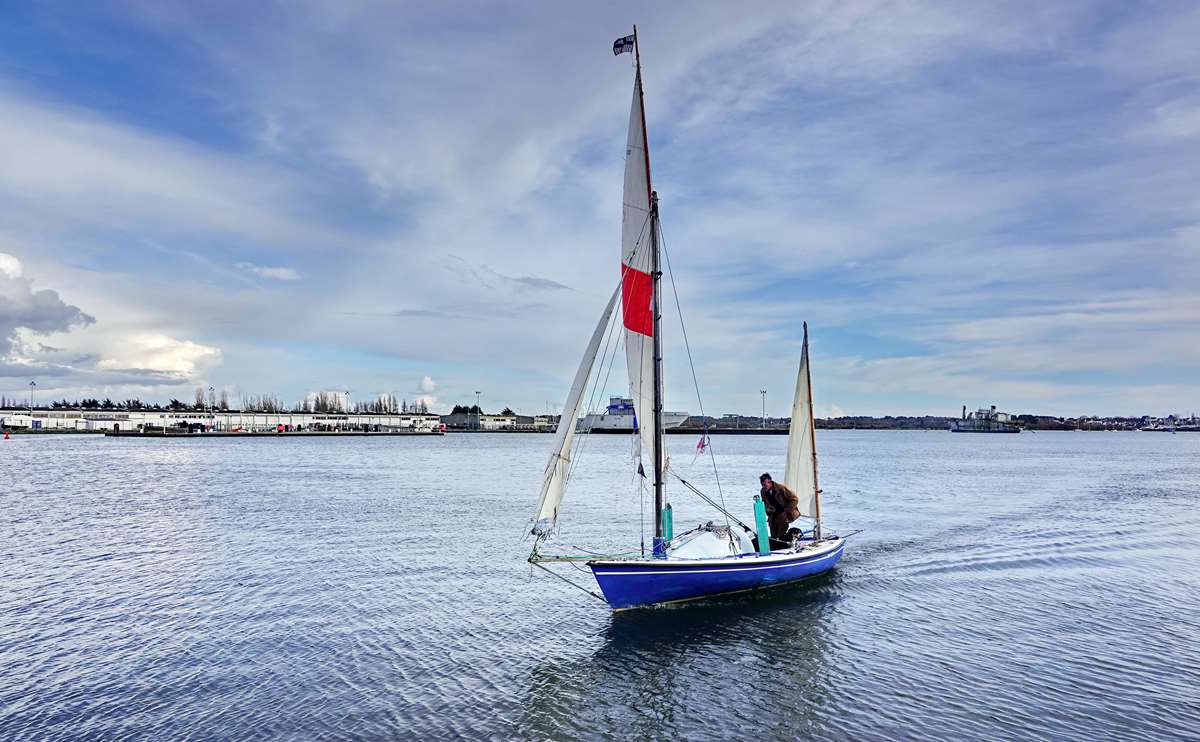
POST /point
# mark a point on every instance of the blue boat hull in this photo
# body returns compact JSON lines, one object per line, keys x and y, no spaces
{"x":628,"y":584}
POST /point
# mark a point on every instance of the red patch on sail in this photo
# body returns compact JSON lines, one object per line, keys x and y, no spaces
{"x":637,"y":293}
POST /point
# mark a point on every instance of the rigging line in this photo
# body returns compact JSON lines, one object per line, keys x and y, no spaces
{"x":600,"y":553}
{"x":608,"y":375}
{"x":633,"y":255}
{"x":695,"y":382}
{"x":611,"y":362}
{"x":597,"y":385}
{"x":624,"y":270}
{"x":572,"y":584}
{"x":728,"y":515}
{"x":642,"y":514}
{"x":606,"y":361}
{"x":579,"y":446}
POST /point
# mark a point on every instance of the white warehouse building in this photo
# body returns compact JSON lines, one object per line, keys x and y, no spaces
{"x":226,"y":420}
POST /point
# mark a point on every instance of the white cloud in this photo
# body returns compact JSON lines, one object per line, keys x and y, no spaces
{"x":1178,"y":118}
{"x":24,"y":310}
{"x":81,"y":360}
{"x":182,"y":358}
{"x":427,"y":385}
{"x":10,"y":266}
{"x":68,"y":163}
{"x":432,"y":403}
{"x":278,"y":273}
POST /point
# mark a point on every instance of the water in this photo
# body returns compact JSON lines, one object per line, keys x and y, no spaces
{"x":1042,"y":585}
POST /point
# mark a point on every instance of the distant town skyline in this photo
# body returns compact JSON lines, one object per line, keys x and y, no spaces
{"x":969,"y":203}
{"x":388,"y":404}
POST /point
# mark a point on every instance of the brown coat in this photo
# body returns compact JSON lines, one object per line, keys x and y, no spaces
{"x":783,"y":507}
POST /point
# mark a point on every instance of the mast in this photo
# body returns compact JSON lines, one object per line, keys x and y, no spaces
{"x":812,"y":431}
{"x":656,"y":316}
{"x":637,"y":56}
{"x":656,"y":274}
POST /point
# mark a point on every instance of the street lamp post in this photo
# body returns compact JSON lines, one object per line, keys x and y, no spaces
{"x":347,"y":408}
{"x":212,"y":400}
{"x":763,"y":392}
{"x":32,"y":384}
{"x":478,"y":413}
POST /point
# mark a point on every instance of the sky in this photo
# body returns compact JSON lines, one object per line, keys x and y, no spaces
{"x":969,"y":203}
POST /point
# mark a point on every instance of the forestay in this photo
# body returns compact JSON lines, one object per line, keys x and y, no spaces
{"x":559,"y":465}
{"x":637,"y":289}
{"x":801,"y":472}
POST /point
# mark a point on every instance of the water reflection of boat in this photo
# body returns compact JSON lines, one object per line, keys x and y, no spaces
{"x":660,"y":674}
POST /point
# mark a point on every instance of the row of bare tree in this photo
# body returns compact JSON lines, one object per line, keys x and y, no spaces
{"x":214,"y":400}
{"x":324,"y":402}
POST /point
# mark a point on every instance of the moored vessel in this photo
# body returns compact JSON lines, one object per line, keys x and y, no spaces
{"x":983,"y":420}
{"x":620,"y":416}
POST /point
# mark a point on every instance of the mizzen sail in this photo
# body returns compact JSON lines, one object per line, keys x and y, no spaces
{"x":559,"y":466}
{"x":801,"y":472}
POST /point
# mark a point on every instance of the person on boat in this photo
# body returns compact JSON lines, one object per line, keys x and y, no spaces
{"x":782,"y":505}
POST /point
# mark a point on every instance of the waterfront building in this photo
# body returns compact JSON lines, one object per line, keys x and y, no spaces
{"x":475,"y":421}
{"x":220,"y":420}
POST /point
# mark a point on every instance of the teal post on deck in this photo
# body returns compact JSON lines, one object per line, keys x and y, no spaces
{"x":668,"y":523}
{"x":760,"y":523}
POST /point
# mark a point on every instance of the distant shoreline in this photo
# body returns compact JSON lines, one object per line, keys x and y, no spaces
{"x":384,"y":434}
{"x":272,"y":434}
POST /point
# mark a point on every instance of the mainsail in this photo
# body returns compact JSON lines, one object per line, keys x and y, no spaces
{"x":559,"y":465}
{"x":637,"y":260}
{"x":801,"y":472}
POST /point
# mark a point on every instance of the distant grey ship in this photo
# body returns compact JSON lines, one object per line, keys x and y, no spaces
{"x":983,"y":421}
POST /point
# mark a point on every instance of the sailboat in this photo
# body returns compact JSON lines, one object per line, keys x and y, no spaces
{"x":711,"y":559}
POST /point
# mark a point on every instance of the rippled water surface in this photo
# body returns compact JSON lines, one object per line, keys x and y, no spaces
{"x":1004,"y":587}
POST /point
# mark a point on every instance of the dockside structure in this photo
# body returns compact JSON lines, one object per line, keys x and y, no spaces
{"x":222,"y":420}
{"x":93,"y":420}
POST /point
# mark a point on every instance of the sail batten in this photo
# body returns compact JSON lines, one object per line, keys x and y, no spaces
{"x":801,"y":472}
{"x":559,"y":466}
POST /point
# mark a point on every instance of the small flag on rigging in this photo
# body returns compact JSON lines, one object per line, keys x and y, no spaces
{"x":703,"y":444}
{"x":622,"y":45}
